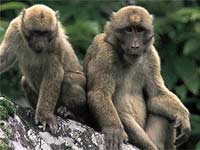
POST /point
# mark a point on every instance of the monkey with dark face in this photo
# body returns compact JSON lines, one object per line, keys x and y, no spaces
{"x":122,"y":65}
{"x":51,"y":72}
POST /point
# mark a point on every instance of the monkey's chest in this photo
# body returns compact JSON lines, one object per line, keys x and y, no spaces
{"x":128,"y":96}
{"x":33,"y":75}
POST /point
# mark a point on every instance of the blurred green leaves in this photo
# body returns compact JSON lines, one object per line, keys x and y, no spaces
{"x":12,"y":5}
{"x":191,"y":46}
{"x":177,"y":39}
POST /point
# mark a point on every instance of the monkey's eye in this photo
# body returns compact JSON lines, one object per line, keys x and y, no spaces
{"x":140,"y":29}
{"x":37,"y":32}
{"x":128,"y":29}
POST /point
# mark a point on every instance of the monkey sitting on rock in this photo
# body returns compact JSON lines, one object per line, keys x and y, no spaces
{"x":51,"y":71}
{"x":122,"y":65}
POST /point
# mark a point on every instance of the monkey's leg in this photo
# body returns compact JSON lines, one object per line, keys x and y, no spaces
{"x":169,"y":142}
{"x":136,"y":134}
{"x":74,"y":98}
{"x":160,"y":132}
{"x":49,"y":94}
{"x":30,"y":94}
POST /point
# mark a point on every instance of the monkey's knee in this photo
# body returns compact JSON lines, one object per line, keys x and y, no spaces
{"x":30,"y":94}
{"x":157,"y":128}
{"x":171,"y":136}
{"x":23,"y":81}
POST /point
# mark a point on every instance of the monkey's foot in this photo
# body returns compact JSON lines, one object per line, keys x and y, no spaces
{"x":114,"y":137}
{"x":63,"y":112}
{"x":50,"y":121}
{"x":183,"y":128}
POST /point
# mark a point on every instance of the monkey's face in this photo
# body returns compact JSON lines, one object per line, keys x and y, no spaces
{"x":134,"y":40}
{"x":130,"y":30}
{"x":39,"y":41}
{"x":39,"y":27}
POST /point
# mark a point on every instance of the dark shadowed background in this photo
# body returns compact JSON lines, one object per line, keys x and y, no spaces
{"x":177,"y":30}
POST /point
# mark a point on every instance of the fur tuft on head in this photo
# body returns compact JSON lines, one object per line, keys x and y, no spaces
{"x":126,"y":16}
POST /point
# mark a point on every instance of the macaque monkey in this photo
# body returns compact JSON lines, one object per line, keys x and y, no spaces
{"x":51,"y":72}
{"x":126,"y":92}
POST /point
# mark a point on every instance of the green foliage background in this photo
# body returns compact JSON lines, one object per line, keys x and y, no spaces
{"x":177,"y":28}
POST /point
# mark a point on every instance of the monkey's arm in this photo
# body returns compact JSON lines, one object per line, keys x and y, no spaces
{"x":9,"y":46}
{"x":101,"y":86}
{"x":101,"y":105}
{"x":49,"y":94}
{"x":163,"y":102}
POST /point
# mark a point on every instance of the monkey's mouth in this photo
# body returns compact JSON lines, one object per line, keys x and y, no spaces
{"x":37,"y":51}
{"x":133,"y":55}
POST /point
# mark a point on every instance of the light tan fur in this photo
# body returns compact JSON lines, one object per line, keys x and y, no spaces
{"x":115,"y":89}
{"x":52,"y":77}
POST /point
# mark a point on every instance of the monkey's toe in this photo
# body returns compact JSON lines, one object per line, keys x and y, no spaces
{"x":114,"y":138}
{"x":65,"y":113}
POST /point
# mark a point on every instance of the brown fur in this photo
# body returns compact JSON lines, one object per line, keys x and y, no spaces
{"x":51,"y":77}
{"x":115,"y":89}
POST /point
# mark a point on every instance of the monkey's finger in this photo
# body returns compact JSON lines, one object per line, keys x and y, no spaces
{"x":120,"y":141}
{"x":59,"y":110}
{"x":67,"y":114}
{"x":53,"y":128}
{"x":179,"y":142}
{"x":126,"y":139}
{"x":108,"y":142}
{"x":44,"y":123}
{"x":180,"y":139}
{"x":115,"y":141}
{"x":177,"y":124}
{"x":36,"y":120}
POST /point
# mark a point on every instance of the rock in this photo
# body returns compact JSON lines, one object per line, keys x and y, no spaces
{"x":20,"y":133}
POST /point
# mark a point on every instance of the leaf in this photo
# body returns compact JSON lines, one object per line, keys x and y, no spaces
{"x":187,"y":70}
{"x":169,"y":76}
{"x":4,"y":24}
{"x":197,"y":147}
{"x":2,"y":31}
{"x":187,"y":14}
{"x":94,"y":26}
{"x":195,"y":121}
{"x":12,"y":5}
{"x":191,"y":46}
{"x":181,"y":91}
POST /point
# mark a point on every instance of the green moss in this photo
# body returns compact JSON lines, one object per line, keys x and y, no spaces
{"x":10,"y":107}
{"x":4,"y":126}
{"x":3,"y":145}
{"x":3,"y":113}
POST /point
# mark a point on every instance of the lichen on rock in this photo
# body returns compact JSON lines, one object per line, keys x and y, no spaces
{"x":20,"y":133}
{"x":7,"y":108}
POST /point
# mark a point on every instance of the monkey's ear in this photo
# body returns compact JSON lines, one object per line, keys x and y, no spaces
{"x":152,"y":17}
{"x":57,"y":13}
{"x":23,"y":12}
{"x":113,"y":14}
{"x":109,"y":34}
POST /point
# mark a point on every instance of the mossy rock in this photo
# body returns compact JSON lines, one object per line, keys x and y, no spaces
{"x":3,"y":113}
{"x":8,"y":105}
{"x":3,"y":145}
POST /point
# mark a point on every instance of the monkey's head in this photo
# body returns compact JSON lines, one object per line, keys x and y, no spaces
{"x":39,"y":27}
{"x":130,"y":30}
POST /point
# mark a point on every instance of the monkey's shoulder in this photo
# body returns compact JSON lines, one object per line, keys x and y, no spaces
{"x":13,"y":30}
{"x":15,"y":24}
{"x":153,"y":57}
{"x":105,"y":51}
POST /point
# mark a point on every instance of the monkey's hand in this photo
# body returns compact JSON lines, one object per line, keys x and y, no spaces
{"x":182,"y":124}
{"x":114,"y":137}
{"x":46,"y":119}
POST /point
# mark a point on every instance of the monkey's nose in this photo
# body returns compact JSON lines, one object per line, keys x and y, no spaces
{"x":135,"y":45}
